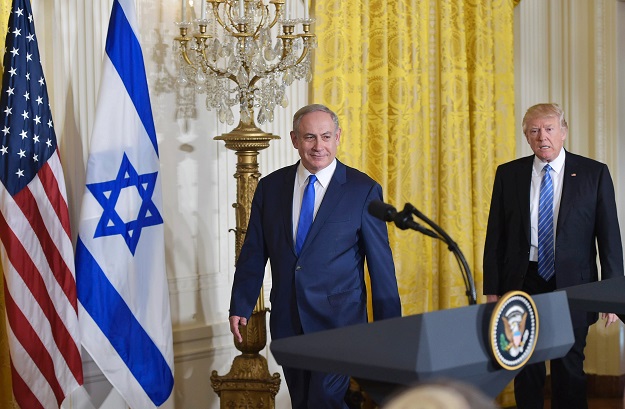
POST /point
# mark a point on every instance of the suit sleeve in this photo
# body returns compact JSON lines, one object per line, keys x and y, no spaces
{"x":384,"y":292}
{"x":607,"y":228}
{"x":250,"y":266}
{"x":495,"y":239}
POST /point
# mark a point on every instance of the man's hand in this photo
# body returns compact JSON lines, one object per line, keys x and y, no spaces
{"x":235,"y":321}
{"x":492,"y":298}
{"x":609,"y":318}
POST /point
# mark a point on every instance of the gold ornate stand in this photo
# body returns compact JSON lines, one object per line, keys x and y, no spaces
{"x":244,"y":54}
{"x":249,"y":383}
{"x":246,"y":141}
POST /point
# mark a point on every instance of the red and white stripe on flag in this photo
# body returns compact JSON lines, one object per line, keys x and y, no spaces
{"x":40,"y":290}
{"x":36,"y":252}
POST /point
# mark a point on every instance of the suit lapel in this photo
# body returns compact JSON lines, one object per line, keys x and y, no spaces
{"x":334,"y":192}
{"x":569,"y":189}
{"x":286,"y":203}
{"x":523,"y":185}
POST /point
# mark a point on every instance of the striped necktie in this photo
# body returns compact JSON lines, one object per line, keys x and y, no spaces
{"x":546,"y":251}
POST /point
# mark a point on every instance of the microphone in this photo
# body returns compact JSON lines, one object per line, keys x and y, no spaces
{"x":403,"y":219}
{"x":382,"y":211}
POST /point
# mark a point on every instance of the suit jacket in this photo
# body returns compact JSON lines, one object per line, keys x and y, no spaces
{"x":324,"y":287}
{"x":587,"y":218}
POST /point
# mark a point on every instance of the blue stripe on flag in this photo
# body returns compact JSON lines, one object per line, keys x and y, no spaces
{"x":122,"y":47}
{"x":119,"y":325}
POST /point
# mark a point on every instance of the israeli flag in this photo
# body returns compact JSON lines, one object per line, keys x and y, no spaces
{"x":120,"y":253}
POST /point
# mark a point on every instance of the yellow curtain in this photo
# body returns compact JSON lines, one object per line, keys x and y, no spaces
{"x":6,"y":394}
{"x":425,"y":93}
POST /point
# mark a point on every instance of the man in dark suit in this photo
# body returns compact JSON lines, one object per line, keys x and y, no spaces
{"x":318,"y":280}
{"x":537,"y":251}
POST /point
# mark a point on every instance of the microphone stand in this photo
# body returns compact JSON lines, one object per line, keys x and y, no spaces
{"x":443,"y":236}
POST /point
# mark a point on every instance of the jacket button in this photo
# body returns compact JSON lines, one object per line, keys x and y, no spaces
{"x":298,"y":268}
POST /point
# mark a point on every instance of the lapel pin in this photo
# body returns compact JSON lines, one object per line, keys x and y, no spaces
{"x":573,"y":174}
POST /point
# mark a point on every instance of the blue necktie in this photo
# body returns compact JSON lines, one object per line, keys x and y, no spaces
{"x":546,"y":252}
{"x":306,"y":213}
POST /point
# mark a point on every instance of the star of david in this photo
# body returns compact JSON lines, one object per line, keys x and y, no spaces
{"x":107,"y":194}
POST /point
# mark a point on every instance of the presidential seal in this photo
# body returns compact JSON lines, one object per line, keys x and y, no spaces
{"x":513,"y":329}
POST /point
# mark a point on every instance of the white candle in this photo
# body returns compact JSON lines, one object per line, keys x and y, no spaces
{"x":184,"y":10}
{"x":241,"y":8}
{"x":305,"y":8}
{"x":286,"y":10}
{"x":203,"y":9}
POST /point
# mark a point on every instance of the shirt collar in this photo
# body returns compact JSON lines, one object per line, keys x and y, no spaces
{"x":323,"y":176}
{"x":557,"y":164}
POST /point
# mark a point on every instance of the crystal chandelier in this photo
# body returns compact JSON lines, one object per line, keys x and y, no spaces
{"x":244,"y":52}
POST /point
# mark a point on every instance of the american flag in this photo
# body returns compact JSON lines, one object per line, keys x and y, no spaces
{"x":36,"y":251}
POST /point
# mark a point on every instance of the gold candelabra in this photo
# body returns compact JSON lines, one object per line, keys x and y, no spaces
{"x":245,"y":53}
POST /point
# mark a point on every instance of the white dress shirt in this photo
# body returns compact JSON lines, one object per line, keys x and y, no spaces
{"x":557,"y":176}
{"x":321,"y":185}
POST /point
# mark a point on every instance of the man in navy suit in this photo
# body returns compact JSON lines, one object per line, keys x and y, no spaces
{"x":584,"y":218}
{"x":322,"y":285}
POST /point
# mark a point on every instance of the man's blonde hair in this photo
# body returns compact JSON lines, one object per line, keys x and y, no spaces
{"x":542,"y":111}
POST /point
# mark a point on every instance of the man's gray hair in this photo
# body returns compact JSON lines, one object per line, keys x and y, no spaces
{"x":297,"y":117}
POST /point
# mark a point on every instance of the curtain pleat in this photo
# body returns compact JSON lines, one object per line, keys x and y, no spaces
{"x":424,"y":90}
{"x":425,"y":93}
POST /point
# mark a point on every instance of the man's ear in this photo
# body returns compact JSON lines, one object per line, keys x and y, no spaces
{"x":294,"y":139}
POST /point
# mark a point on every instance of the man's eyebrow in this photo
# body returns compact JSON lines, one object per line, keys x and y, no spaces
{"x":322,"y":134}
